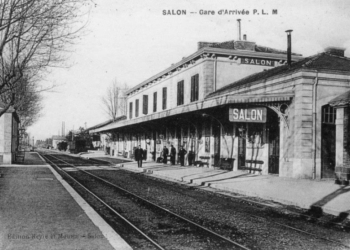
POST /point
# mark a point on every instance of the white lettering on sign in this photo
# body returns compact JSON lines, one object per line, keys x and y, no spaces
{"x":248,"y":115}
{"x":257,"y":61}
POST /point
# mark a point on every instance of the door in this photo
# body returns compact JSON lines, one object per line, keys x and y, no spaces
{"x":217,"y":143}
{"x":154,"y":138}
{"x":273,"y":130}
{"x":241,"y":152}
{"x":274,"y":155}
{"x":328,"y":141}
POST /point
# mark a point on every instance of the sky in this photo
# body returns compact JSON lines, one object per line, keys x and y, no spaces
{"x":131,"y":40}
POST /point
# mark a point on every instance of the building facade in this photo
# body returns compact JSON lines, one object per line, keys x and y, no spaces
{"x":56,"y":139}
{"x":240,"y":106}
{"x":9,"y":136}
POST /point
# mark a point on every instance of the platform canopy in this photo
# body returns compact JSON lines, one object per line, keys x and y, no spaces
{"x":202,"y":105}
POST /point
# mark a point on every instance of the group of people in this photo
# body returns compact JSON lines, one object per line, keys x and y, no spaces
{"x":139,"y":155}
{"x":165,"y":154}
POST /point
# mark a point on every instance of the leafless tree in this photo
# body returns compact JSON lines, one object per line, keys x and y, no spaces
{"x":27,"y":102}
{"x":114,"y":101}
{"x":33,"y":35}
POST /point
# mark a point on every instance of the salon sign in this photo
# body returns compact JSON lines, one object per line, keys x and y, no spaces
{"x":247,"y":114}
{"x":258,"y":61}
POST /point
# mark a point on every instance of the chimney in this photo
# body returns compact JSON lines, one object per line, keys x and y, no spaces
{"x":239,"y":29}
{"x":336,"y":51}
{"x":289,"y":48}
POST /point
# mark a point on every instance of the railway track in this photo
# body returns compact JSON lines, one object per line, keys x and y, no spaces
{"x":164,"y":229}
{"x":231,"y":244}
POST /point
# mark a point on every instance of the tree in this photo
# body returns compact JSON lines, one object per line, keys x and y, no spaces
{"x":114,"y":101}
{"x":27,"y":102}
{"x":33,"y":35}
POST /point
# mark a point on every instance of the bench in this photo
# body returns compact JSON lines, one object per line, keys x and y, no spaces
{"x":204,"y":161}
{"x":254,"y":162}
{"x":252,"y":168}
{"x":20,"y":156}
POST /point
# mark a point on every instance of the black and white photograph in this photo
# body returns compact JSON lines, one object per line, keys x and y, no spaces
{"x":179,"y":124}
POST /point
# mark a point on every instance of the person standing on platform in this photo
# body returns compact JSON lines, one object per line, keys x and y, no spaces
{"x":165,"y":155}
{"x":139,"y":156}
{"x":172,"y":155}
{"x":182,"y":153}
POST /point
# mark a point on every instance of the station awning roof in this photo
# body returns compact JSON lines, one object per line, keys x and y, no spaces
{"x":341,"y":100}
{"x":201,"y":105}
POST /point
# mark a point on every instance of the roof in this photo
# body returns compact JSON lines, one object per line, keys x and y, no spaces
{"x":200,"y":106}
{"x":242,"y":45}
{"x":100,"y":124}
{"x":322,"y":61}
{"x":118,"y":119}
{"x":341,"y":100}
{"x":241,"y":48}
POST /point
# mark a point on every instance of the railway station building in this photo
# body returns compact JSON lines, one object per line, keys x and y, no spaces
{"x":240,"y":106}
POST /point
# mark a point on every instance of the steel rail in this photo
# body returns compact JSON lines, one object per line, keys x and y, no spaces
{"x":161,"y":208}
{"x":179,"y":216}
{"x":105,"y":204}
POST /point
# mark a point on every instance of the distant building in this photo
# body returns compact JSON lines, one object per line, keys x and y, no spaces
{"x":103,"y":141}
{"x":57,"y":139}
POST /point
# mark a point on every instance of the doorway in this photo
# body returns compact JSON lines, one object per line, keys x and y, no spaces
{"x":328,"y":142}
{"x":273,"y":135}
{"x":217,"y":143}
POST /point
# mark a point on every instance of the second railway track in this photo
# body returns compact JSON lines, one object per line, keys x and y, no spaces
{"x":168,"y":231}
{"x":159,"y":226}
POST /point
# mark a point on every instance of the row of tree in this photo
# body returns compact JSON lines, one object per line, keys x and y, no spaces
{"x":34,"y":36}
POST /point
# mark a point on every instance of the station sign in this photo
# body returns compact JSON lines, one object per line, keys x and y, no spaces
{"x":257,"y":115}
{"x":258,"y":61}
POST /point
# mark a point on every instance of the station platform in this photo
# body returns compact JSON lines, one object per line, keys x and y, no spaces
{"x":319,"y":195}
{"x":39,"y":210}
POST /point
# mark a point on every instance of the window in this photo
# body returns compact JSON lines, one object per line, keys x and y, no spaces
{"x":194,"y":88}
{"x":137,"y":108}
{"x":130,"y":110}
{"x":145,"y":105}
{"x":180,"y":93}
{"x":164,"y":97}
{"x":328,"y":114}
{"x":155,"y":102}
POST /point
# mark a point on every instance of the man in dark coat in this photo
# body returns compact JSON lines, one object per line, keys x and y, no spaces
{"x":172,"y":155}
{"x":139,"y":156}
{"x":182,"y":153}
{"x":165,"y":155}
